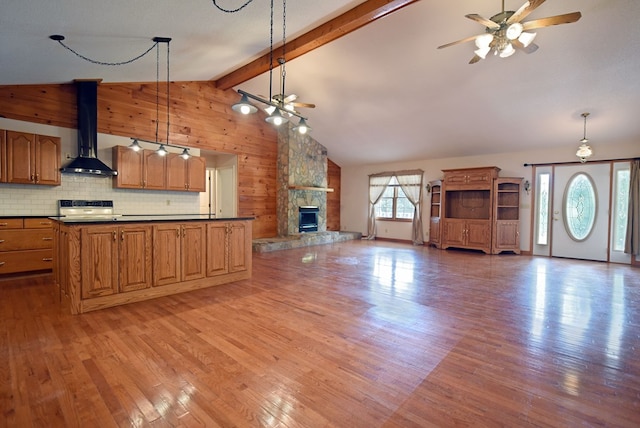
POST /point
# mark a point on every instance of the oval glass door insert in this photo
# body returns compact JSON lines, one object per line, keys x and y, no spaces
{"x":580,"y":206}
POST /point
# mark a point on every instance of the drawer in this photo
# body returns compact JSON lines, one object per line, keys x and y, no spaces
{"x":26,"y":261}
{"x":10,"y":223}
{"x":38,"y":223}
{"x":25,"y":239}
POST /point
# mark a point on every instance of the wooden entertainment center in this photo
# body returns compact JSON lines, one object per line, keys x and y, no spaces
{"x":473,"y":208}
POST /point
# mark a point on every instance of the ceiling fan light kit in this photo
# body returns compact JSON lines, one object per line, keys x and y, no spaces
{"x":505,"y":32}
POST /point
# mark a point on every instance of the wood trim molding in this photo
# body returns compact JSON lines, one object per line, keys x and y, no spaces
{"x":361,"y":15}
{"x":319,"y":189}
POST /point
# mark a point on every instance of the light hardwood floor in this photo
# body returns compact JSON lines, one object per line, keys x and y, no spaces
{"x":357,"y":334}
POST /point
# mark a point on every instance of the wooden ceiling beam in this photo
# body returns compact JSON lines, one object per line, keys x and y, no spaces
{"x":361,"y":15}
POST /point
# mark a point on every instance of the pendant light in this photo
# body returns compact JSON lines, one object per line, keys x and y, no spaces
{"x":584,"y":151}
{"x":274,"y":109}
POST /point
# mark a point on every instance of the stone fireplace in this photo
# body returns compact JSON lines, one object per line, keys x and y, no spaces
{"x":302,"y":180}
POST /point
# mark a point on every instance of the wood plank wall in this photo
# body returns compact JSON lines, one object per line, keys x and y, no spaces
{"x":333,"y":198}
{"x":200,"y":117}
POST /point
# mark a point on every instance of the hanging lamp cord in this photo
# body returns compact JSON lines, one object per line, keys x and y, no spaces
{"x":231,"y":10}
{"x":168,"y":85}
{"x":93,"y":61}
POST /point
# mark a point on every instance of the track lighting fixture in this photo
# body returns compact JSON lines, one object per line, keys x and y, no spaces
{"x":162,"y":149}
{"x":275,"y":107}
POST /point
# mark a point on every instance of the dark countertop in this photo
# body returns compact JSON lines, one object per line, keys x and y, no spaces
{"x":25,"y":216}
{"x":146,"y":218}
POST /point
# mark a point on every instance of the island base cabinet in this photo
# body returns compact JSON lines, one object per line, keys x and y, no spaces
{"x":227,"y":245}
{"x":166,"y":254}
{"x":100,"y":266}
{"x":115,"y":259}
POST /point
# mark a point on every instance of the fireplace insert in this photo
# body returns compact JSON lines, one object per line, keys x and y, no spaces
{"x":308,"y":219}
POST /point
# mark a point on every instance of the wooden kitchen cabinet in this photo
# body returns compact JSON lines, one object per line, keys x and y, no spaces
{"x":227,"y":248}
{"x":93,"y":257}
{"x":26,"y":245}
{"x":186,"y":174}
{"x":506,"y":228}
{"x":166,"y":253}
{"x":3,"y":156}
{"x":180,"y":252}
{"x":129,"y":165}
{"x":31,"y":158}
{"x":115,"y":259}
{"x":146,"y":169}
{"x":193,"y":248}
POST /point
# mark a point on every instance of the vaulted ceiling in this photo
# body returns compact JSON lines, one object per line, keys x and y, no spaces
{"x":383,"y":92}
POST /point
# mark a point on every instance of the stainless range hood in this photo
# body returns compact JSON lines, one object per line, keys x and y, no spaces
{"x":87,"y":161}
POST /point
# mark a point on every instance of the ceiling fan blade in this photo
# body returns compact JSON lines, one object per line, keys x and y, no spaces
{"x":290,"y":98}
{"x":466,"y":39}
{"x":306,"y":105}
{"x":567,"y":18}
{"x":528,"y":50}
{"x":484,"y":21}
{"x":475,"y":59}
{"x":524,"y":11}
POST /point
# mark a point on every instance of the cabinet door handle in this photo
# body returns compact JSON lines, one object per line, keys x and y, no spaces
{"x":2,"y":263}
{"x":1,"y":241}
{"x":115,"y":236}
{"x":122,"y":235}
{"x":178,"y":232}
{"x":4,"y":224}
{"x":47,"y":259}
{"x":47,"y":239}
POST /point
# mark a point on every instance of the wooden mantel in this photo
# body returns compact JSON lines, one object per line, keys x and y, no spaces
{"x":318,"y":189}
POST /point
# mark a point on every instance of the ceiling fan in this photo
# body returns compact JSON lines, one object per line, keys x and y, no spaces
{"x":505,"y":31}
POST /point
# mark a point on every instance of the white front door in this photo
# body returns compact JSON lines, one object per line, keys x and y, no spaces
{"x":580,"y":216}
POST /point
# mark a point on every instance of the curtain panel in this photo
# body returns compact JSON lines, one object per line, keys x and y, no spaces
{"x":377,"y":185}
{"x":411,"y":183}
{"x":632,"y":241}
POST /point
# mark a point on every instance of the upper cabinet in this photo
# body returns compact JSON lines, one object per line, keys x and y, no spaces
{"x":186,"y":174}
{"x":27,"y":158}
{"x":145,"y":169}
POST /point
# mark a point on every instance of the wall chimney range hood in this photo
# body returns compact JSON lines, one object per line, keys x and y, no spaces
{"x":87,"y":161}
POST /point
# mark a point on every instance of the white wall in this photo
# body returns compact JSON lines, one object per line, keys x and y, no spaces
{"x":26,"y":199}
{"x":355,"y":182}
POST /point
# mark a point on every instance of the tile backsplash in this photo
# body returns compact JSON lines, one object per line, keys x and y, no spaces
{"x":19,"y":199}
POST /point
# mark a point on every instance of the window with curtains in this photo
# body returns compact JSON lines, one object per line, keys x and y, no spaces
{"x":394,"y":204}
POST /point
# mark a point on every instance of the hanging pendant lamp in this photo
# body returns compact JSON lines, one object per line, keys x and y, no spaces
{"x":584,"y":150}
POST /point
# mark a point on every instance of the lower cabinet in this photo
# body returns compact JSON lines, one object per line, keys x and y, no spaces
{"x":115,"y":259}
{"x":179,"y":252}
{"x":26,"y":245}
{"x":227,"y":248}
{"x":464,"y":233}
{"x":103,"y":265}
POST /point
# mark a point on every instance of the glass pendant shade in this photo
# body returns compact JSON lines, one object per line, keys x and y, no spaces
{"x":244,"y":106}
{"x":185,"y":154}
{"x":484,"y":40}
{"x":161,"y":150}
{"x":526,"y":38}
{"x":507,"y":51}
{"x":302,"y":127}
{"x":482,"y":52}
{"x":584,"y":152}
{"x":514,"y":30}
{"x":135,"y":146}
{"x":276,"y":118}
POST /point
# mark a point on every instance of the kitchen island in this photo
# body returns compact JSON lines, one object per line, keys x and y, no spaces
{"x":101,"y":263}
